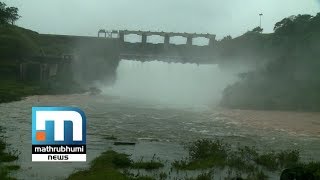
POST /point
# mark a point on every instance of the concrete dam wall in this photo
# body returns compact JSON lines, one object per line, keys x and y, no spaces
{"x":95,"y":59}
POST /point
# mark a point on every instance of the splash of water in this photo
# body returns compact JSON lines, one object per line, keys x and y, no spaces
{"x":171,"y":83}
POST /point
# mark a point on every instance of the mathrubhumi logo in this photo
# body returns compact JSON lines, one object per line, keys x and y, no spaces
{"x":58,"y":134}
{"x":57,"y":149}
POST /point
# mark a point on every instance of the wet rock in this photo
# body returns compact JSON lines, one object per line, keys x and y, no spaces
{"x":117,"y":143}
{"x":94,"y":91}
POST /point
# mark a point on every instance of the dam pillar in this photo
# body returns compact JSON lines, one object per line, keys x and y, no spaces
{"x":42,"y":69}
{"x":211,"y":41}
{"x":23,"y":69}
{"x":34,"y":71}
{"x":64,"y":71}
{"x":53,"y":69}
{"x":144,"y":39}
{"x":189,"y":40}
{"x":102,"y":31}
{"x":121,"y":36}
{"x":166,"y":41}
{"x":44,"y":72}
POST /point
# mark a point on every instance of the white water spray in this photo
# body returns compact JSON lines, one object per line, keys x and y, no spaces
{"x":170,"y":83}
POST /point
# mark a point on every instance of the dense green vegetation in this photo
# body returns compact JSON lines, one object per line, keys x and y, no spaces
{"x":290,"y":78}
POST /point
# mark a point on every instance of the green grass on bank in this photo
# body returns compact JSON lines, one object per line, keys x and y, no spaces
{"x":246,"y":161}
{"x":206,"y":153}
{"x":7,"y":156}
{"x":108,"y":165}
{"x":148,"y":165}
{"x":104,"y":167}
{"x":15,"y":91}
{"x":208,"y":156}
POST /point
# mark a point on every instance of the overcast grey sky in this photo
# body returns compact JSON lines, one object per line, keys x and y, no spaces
{"x":220,"y":17}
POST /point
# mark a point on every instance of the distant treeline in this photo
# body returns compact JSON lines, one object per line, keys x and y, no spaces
{"x":290,"y":78}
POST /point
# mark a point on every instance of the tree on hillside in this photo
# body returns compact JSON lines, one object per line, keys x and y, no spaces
{"x":8,"y":14}
{"x":226,"y":38}
{"x":12,"y":14}
{"x":290,"y":80}
{"x":293,"y":24}
{"x":257,"y":30}
{"x":315,"y":23}
{"x":2,"y":13}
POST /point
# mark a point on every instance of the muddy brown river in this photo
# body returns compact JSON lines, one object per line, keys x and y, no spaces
{"x":157,"y":129}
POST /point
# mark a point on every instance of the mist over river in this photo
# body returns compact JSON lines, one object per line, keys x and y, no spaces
{"x":160,"y":106}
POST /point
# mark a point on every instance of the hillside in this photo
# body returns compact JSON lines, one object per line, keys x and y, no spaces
{"x":290,"y":80}
{"x":16,"y":44}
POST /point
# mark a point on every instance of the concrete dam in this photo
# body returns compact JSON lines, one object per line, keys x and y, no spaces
{"x":144,"y":51}
{"x":97,"y":58}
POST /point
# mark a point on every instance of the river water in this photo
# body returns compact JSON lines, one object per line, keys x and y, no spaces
{"x":161,"y":107}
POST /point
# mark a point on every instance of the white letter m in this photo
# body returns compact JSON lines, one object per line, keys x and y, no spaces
{"x":59,"y":117}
